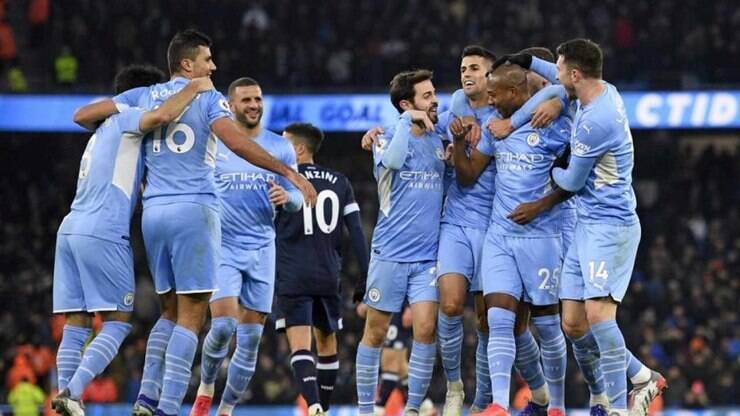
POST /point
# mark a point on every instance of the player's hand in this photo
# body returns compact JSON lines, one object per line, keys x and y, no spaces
{"x":421,"y":117}
{"x":459,"y":129}
{"x":368,"y":140}
{"x":450,"y":154}
{"x":500,"y":128}
{"x":203,"y":84}
{"x":546,"y":113}
{"x":278,"y":195}
{"x":525,"y":212}
{"x":303,"y":185}
{"x":524,"y":60}
{"x":473,"y":137}
{"x":359,"y":294}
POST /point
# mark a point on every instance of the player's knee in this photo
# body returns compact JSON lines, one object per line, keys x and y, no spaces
{"x":451,"y":307}
{"x":424,"y":331}
{"x":222,"y":328}
{"x":481,"y":321}
{"x":574,"y":327}
{"x":373,"y":336}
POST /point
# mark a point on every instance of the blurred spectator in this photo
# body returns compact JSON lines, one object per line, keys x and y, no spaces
{"x":65,"y":66}
{"x":102,"y":389}
{"x":26,"y":398}
{"x":38,"y":18}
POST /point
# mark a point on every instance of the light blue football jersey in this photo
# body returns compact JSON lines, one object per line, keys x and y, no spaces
{"x":180,"y":157}
{"x":410,"y":198}
{"x":601,"y":130}
{"x":108,"y":181}
{"x":523,"y":162}
{"x":246,"y":211}
{"x":470,"y":206}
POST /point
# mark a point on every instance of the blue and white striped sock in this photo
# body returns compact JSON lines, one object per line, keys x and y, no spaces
{"x":243,"y":362}
{"x":613,"y":362}
{"x":177,"y":369}
{"x":69,"y":354}
{"x":450,"y":339}
{"x":554,"y":357}
{"x":482,"y":376}
{"x":421,"y":366}
{"x":527,"y":363}
{"x":366,"y":376}
{"x":215,"y":348}
{"x":156,"y":346}
{"x":501,"y":353}
{"x":586,"y":352}
{"x":98,"y":355}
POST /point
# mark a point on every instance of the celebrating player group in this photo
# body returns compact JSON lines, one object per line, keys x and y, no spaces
{"x":520,"y":194}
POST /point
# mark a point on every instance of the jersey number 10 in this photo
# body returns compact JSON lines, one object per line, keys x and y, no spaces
{"x":325,"y":228}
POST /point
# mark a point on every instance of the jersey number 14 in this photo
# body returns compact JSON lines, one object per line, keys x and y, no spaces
{"x":308,"y":215}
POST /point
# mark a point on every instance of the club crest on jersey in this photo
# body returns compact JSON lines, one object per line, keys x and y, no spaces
{"x":373,"y":294}
{"x":128,"y":300}
{"x":224,"y":104}
{"x":533,"y":139}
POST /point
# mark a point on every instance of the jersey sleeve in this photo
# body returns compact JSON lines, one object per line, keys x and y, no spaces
{"x":486,"y":143}
{"x":591,"y":139}
{"x":130,"y":97}
{"x":350,"y":205}
{"x":443,"y":124}
{"x":524,"y":114}
{"x":128,"y":120}
{"x":547,"y":70}
{"x":459,"y":105}
{"x":217,"y":107}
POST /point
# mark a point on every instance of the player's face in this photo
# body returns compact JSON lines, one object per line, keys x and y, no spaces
{"x":425,"y":99}
{"x":246,"y":104}
{"x":565,"y":76}
{"x":473,"y":71}
{"x":503,"y":97}
{"x":203,"y":65}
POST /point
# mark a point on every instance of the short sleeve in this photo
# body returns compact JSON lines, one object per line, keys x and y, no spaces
{"x":130,"y":97}
{"x":459,"y":106}
{"x":486,"y":143}
{"x":129,"y":120}
{"x":381,"y":145}
{"x":591,"y":139}
{"x":217,"y":108}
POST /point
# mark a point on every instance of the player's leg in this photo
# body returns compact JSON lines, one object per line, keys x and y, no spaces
{"x":528,"y":363}
{"x":68,"y":298}
{"x":327,"y":322}
{"x":193,"y":232}
{"x":224,"y":310}
{"x":158,"y":257}
{"x":424,"y":303}
{"x":76,"y":332}
{"x":106,"y":273}
{"x":607,"y":258}
{"x":386,"y":291}
{"x":257,"y":292}
{"x":539,"y":261}
{"x":502,"y":286}
{"x":455,"y":261}
{"x":298,"y":318}
{"x":391,"y":365}
{"x":482,"y":375}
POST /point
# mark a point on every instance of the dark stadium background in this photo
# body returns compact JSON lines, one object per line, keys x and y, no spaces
{"x":681,"y":313}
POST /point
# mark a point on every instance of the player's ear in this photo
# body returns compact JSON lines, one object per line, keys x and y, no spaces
{"x":186,"y":64}
{"x":405,"y":105}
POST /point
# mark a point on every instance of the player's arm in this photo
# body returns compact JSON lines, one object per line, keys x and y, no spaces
{"x":175,"y":105}
{"x":548,"y":103}
{"x":467,"y":168}
{"x":590,"y":143}
{"x":460,"y":107}
{"x":525,"y":212}
{"x":353,"y":222}
{"x":395,"y":154}
{"x":547,"y":70}
{"x":285,"y":193}
{"x":225,"y":129}
{"x":90,"y":115}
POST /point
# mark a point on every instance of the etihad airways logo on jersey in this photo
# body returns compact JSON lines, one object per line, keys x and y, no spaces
{"x":421,"y":179}
{"x":519,"y":161}
{"x":247,"y":181}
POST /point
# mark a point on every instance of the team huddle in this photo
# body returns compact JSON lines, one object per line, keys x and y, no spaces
{"x":519,"y":194}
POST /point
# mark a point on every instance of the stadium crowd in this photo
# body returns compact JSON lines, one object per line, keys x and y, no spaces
{"x":292,"y":46}
{"x":681,"y":315}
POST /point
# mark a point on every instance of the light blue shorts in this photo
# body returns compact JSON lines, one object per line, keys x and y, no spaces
{"x":459,"y":252}
{"x":600,"y":261}
{"x":525,"y":268}
{"x":248,"y":275}
{"x":92,"y":274}
{"x":182,"y":242}
{"x":389,"y":283}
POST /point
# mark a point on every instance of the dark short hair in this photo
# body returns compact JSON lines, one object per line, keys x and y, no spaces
{"x":309,"y":134}
{"x":184,"y":45}
{"x":134,"y":76}
{"x":242,"y":82}
{"x":584,"y":55}
{"x":402,"y":85}
{"x":477,"y":50}
{"x":541,"y":52}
